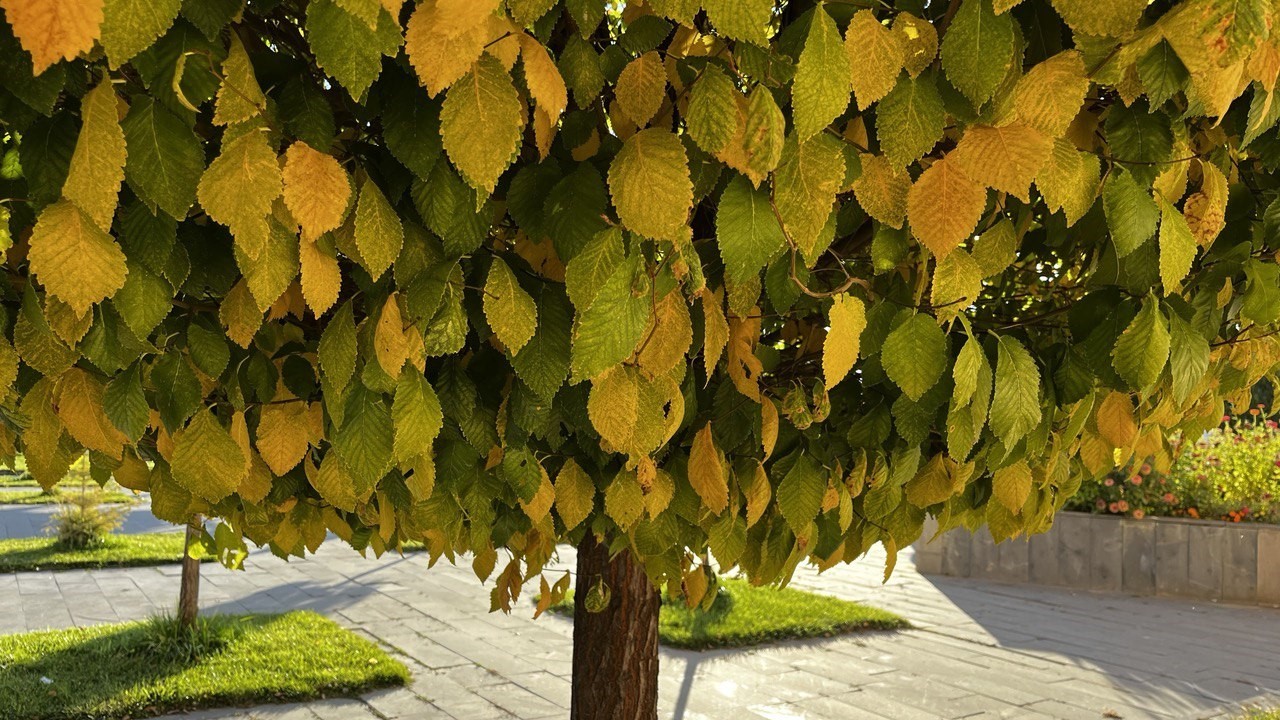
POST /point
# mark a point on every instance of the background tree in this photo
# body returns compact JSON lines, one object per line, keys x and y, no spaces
{"x":753,"y":281}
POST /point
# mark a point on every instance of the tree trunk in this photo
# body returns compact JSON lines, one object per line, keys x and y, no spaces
{"x":615,"y":651}
{"x":189,"y":591}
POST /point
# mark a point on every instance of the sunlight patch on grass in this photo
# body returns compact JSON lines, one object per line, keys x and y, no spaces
{"x":22,"y":554}
{"x":743,"y":615}
{"x":140,"y":670}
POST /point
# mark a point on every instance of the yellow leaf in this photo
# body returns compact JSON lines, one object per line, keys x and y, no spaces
{"x":650,"y":186}
{"x":848,"y":319}
{"x":508,"y":309}
{"x":574,"y":494}
{"x":1004,"y":158}
{"x":545,"y":83}
{"x":706,"y":472}
{"x":316,"y":189}
{"x":1115,"y":421}
{"x":882,"y":190}
{"x":438,"y":57}
{"x":333,"y":483}
{"x":239,"y":97}
{"x":459,"y":16}
{"x":379,"y":234}
{"x":920,"y":42}
{"x":642,"y":87}
{"x":715,"y":330}
{"x":240,"y":315}
{"x":53,"y":30}
{"x":80,"y":409}
{"x":540,"y":504}
{"x":1069,"y":181}
{"x":388,"y":339}
{"x":661,"y":491}
{"x":97,"y":166}
{"x":758,"y":493}
{"x":481,"y":122}
{"x":1206,"y":210}
{"x":876,"y":54}
{"x":624,"y":499}
{"x":282,"y":435}
{"x":957,"y":280}
{"x":668,"y":337}
{"x":744,"y":366}
{"x":768,"y":426}
{"x":944,"y":207}
{"x":321,"y":277}
{"x":74,"y":259}
{"x":1011,"y":486}
{"x":1049,"y":96}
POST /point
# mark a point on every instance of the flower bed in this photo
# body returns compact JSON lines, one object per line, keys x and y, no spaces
{"x":1231,"y":473}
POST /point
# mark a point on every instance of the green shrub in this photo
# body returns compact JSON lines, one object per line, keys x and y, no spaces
{"x":82,"y":521}
{"x":1231,"y":473}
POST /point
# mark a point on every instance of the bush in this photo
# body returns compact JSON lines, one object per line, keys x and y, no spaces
{"x":1231,"y":473}
{"x":82,"y":522}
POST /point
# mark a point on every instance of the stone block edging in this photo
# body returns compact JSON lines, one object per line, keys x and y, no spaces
{"x":1202,"y":559}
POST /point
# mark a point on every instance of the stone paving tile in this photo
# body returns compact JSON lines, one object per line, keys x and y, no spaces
{"x":976,"y":649}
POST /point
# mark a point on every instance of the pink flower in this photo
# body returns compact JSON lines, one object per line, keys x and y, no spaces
{"x":1100,"y":504}
{"x":1114,"y":507}
{"x":1169,"y":498}
{"x":1145,"y":469}
{"x":1226,"y":418}
{"x":1272,"y":424}
{"x":1136,"y":479}
{"x":1138,"y":514}
{"x":1109,"y":482}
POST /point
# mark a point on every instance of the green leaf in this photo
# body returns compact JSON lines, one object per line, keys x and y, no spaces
{"x":144,"y":300}
{"x":915,"y":355}
{"x":977,"y":49}
{"x":543,"y":363}
{"x":379,"y":232}
{"x":1142,"y":350}
{"x":508,"y":309}
{"x":1131,"y":213}
{"x":165,"y":158}
{"x":337,"y":349}
{"x":712,"y":117}
{"x":1015,"y":405}
{"x":747,"y":231}
{"x":126,"y":405}
{"x":1262,"y":294}
{"x":650,"y":186}
{"x":410,"y":123}
{"x":347,"y":48}
{"x":805,"y":187}
{"x":209,"y":350}
{"x":1177,"y":247}
{"x":910,"y":119}
{"x":1188,"y":357}
{"x":415,"y":415}
{"x":481,"y":122}
{"x":800,"y":493}
{"x":178,"y":392}
{"x":823,"y":81}
{"x":206,"y":460}
{"x":1162,"y":74}
{"x":365,"y":440}
{"x":741,"y":19}
{"x":1140,"y":140}
{"x":589,"y":269}
{"x":130,"y":26}
{"x":608,"y":330}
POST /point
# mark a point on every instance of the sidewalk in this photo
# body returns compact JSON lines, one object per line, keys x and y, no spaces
{"x":977,"y":650}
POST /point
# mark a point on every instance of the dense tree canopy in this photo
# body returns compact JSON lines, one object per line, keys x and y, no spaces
{"x":770,"y":279}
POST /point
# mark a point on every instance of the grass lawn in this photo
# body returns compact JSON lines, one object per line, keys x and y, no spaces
{"x":22,"y":554}
{"x":744,"y":615}
{"x":39,"y":497}
{"x":1262,"y":715}
{"x":134,"y":670}
{"x":22,"y":480}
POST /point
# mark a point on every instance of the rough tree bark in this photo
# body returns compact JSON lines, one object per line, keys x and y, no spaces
{"x":615,"y":651}
{"x":189,"y":590}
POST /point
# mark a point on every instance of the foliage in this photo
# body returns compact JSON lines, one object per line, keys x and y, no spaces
{"x":115,"y":671}
{"x":772,"y":279}
{"x":1230,"y":473}
{"x":116,"y":550}
{"x":81,"y":522}
{"x":742,"y":615}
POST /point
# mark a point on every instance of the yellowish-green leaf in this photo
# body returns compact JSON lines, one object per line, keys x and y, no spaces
{"x":439,"y":57}
{"x":820,"y":90}
{"x":509,"y":310}
{"x":1068,"y":181}
{"x":650,"y":186}
{"x":575,"y":494}
{"x":641,"y":88}
{"x":919,"y":40}
{"x":131,"y":26}
{"x":1049,"y":96}
{"x":74,"y":259}
{"x":877,"y":52}
{"x":1177,"y":247}
{"x":379,"y":233}
{"x":481,"y":123}
{"x":97,"y":166}
{"x":239,"y":97}
{"x":206,"y":460}
{"x":240,"y":186}
{"x":1011,"y":486}
{"x":882,"y":190}
{"x":282,"y":435}
{"x":317,"y":190}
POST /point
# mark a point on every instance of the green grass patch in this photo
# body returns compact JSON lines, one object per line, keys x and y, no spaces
{"x":39,"y":497}
{"x":22,"y":554}
{"x":1259,"y":714}
{"x":144,"y":669}
{"x":744,"y":615}
{"x":22,"y":480}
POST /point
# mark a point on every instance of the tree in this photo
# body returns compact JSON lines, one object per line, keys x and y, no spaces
{"x":753,"y":281}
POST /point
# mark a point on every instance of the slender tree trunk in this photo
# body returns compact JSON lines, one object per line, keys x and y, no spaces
{"x":189,"y":591}
{"x":615,"y":651}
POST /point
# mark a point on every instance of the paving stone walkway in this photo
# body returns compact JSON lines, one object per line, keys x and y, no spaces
{"x":977,"y":650}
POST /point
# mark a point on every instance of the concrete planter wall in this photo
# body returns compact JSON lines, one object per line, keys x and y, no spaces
{"x":1231,"y":562}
